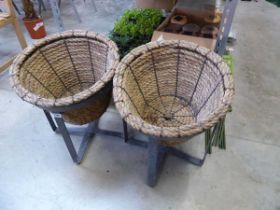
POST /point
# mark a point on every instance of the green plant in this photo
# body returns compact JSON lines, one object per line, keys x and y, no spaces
{"x":138,"y":22}
{"x":135,"y":28}
{"x":127,"y":43}
{"x":29,"y":11}
{"x":276,"y":2}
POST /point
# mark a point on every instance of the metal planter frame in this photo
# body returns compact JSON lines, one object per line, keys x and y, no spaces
{"x":156,"y":151}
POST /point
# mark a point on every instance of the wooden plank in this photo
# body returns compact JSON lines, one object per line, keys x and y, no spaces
{"x":6,"y":64}
{"x":5,"y":21}
{"x":19,"y":34}
{"x":7,"y":18}
{"x":4,"y":15}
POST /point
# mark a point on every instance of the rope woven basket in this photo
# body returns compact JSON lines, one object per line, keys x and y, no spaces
{"x":65,"y":69}
{"x":172,"y":89}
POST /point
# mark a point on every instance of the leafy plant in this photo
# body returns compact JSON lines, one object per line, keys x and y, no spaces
{"x":276,"y":2}
{"x":29,"y":11}
{"x":127,"y":43}
{"x":135,"y":28}
{"x":138,"y":22}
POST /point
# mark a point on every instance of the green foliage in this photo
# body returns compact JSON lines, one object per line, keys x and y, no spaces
{"x":127,"y":43}
{"x":276,"y":2}
{"x":230,"y":62}
{"x":138,"y":22}
{"x":135,"y":28}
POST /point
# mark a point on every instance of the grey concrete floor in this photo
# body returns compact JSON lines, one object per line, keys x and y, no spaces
{"x":37,"y":173}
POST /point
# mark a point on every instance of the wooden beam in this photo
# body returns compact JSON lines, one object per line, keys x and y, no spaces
{"x":6,"y":64}
{"x":5,"y":21}
{"x":19,"y":34}
{"x":10,"y":18}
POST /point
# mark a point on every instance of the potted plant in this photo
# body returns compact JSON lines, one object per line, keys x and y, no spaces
{"x":134,"y":28}
{"x":33,"y":23}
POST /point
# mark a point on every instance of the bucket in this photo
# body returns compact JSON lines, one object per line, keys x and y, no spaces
{"x":35,"y":28}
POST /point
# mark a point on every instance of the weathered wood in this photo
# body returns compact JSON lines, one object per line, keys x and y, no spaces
{"x":6,"y":18}
{"x":6,"y":64}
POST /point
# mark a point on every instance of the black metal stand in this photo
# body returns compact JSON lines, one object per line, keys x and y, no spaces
{"x":156,"y":151}
{"x":157,"y":154}
{"x":77,"y":156}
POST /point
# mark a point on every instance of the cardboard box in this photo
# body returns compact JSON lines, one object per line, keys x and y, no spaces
{"x":158,"y":4}
{"x":194,"y":16}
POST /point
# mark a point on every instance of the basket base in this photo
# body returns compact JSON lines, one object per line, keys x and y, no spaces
{"x":168,"y":111}
{"x":89,"y":113}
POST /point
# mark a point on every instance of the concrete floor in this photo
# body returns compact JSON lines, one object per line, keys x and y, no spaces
{"x":37,"y":173}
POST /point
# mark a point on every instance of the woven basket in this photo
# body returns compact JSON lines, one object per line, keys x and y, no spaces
{"x":66,"y":69}
{"x":172,"y":89}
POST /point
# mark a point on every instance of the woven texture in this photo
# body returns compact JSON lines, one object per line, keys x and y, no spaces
{"x":66,"y":69}
{"x":172,"y":89}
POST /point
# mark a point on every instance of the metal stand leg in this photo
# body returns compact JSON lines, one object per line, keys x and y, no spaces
{"x":184,"y":156}
{"x":158,"y":152}
{"x":93,"y":4}
{"x":208,"y":149}
{"x":16,"y":8}
{"x":154,"y":161}
{"x":50,"y":119}
{"x":56,"y":14}
{"x":87,"y":138}
{"x":225,"y":26}
{"x":125,"y":133}
{"x":66,"y":137}
{"x":75,"y":10}
{"x":41,"y":4}
{"x":76,"y":157}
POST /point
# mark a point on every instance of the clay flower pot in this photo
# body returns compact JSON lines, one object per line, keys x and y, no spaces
{"x":191,"y":29}
{"x":35,"y":28}
{"x":210,"y":31}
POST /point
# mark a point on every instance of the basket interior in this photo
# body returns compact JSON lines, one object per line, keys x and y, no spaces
{"x":171,"y":86}
{"x":65,"y":66}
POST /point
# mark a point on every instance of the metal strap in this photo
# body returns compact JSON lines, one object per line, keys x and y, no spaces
{"x":225,"y":26}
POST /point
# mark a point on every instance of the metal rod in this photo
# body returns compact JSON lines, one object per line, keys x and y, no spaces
{"x":75,"y":10}
{"x":137,"y":142}
{"x":153,"y":161}
{"x":225,"y":26}
{"x":16,"y":8}
{"x":66,"y":137}
{"x":94,"y":5}
{"x":156,"y":151}
{"x":56,"y":14}
{"x":50,"y":120}
{"x":182,"y":155}
{"x":41,"y":4}
{"x":85,"y":142}
{"x":125,"y":133}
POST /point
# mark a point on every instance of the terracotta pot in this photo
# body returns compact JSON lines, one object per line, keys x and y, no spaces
{"x":179,"y":20}
{"x":35,"y":28}
{"x":173,"y":28}
{"x":191,"y":29}
{"x":210,"y":31}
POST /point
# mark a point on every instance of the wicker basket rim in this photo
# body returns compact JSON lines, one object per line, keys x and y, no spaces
{"x":32,"y":98}
{"x":184,"y":130}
